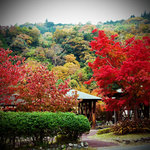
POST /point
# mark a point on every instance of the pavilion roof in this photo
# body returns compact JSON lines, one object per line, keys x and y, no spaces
{"x":84,"y":96}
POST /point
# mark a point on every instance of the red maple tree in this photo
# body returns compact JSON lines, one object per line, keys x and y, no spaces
{"x":10,"y":74}
{"x":124,"y":66}
{"x":39,"y":91}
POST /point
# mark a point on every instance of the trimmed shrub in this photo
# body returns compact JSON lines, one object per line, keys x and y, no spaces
{"x":132,"y":126}
{"x":37,"y":125}
{"x":72,"y":125}
{"x":103,"y":131}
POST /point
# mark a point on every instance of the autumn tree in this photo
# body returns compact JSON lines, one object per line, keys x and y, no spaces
{"x":61,"y":72}
{"x":77,"y":45}
{"x":21,"y":42}
{"x":87,"y":28}
{"x":72,"y":42}
{"x":10,"y":75}
{"x":35,"y":34}
{"x":19,"y":38}
{"x":45,"y":39}
{"x":69,"y":68}
{"x":60,"y":35}
{"x":40,"y":92}
{"x":71,"y":63}
{"x":122,"y":66}
{"x":56,"y":56}
{"x":32,"y":64}
{"x":100,"y":111}
{"x":47,"y":56}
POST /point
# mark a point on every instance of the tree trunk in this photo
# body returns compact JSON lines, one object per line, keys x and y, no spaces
{"x":146,"y":112}
{"x":128,"y":114}
{"x":135,"y":113}
{"x":119,"y":115}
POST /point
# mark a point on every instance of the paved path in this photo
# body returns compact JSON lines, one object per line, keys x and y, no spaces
{"x":96,"y":143}
{"x":137,"y":147}
{"x":101,"y":145}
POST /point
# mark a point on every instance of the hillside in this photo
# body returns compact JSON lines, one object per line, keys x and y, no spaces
{"x":64,"y":48}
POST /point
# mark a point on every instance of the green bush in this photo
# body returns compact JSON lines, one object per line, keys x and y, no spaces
{"x":132,"y":126}
{"x":37,"y":125}
{"x":103,"y":131}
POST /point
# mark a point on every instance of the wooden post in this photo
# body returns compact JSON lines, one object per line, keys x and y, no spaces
{"x":90,"y":111}
{"x":94,"y":115}
{"x":79,"y":108}
{"x":82,"y":108}
{"x":115,"y":117}
{"x":85,"y":108}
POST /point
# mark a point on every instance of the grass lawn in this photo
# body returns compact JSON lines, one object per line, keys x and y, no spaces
{"x":110,"y":137}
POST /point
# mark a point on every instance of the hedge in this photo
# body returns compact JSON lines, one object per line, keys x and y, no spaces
{"x":103,"y":131}
{"x":37,"y":125}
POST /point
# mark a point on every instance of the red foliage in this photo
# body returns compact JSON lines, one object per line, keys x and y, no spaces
{"x":125,"y":65}
{"x":95,"y":30}
{"x":40,"y":92}
{"x":10,"y":74}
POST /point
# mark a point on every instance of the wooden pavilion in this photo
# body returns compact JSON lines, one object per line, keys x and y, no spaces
{"x":87,"y":106}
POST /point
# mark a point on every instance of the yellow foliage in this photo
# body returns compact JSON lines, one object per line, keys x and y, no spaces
{"x":144,"y":27}
{"x":109,"y":32}
{"x":29,"y":41}
{"x":70,"y":58}
{"x":69,"y":68}
{"x":128,"y":36}
{"x":33,"y":64}
{"x":72,"y":68}
{"x":73,"y":83}
{"x":82,"y":88}
{"x":88,"y":57}
{"x":101,"y":106}
{"x":61,"y":72}
{"x":134,"y":19}
{"x":87,"y":28}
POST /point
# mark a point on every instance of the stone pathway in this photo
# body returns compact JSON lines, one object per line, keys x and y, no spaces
{"x":132,"y":147}
{"x":96,"y":143}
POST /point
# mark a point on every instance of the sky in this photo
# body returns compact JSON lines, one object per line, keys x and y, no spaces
{"x":69,"y":11}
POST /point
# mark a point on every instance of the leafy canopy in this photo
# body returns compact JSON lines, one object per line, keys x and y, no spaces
{"x":10,"y":74}
{"x":122,"y":66}
{"x":40,"y":92}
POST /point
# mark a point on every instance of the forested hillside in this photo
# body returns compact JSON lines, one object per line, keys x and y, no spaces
{"x":65,"y":49}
